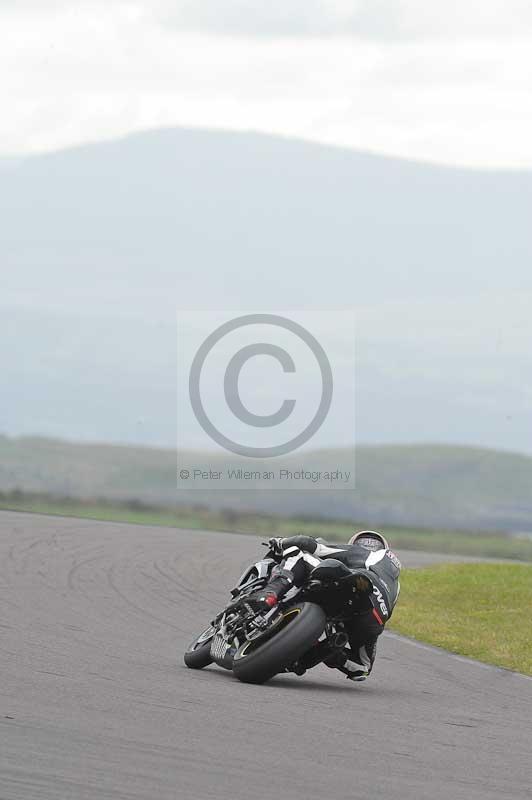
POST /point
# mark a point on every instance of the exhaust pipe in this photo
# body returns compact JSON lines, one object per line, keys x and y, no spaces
{"x":339,"y":640}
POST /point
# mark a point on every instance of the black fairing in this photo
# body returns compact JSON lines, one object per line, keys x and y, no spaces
{"x":331,"y":569}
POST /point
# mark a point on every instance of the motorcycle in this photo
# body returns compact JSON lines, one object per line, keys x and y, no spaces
{"x":294,"y":636}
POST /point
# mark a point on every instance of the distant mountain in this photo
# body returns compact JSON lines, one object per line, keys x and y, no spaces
{"x":430,"y":486}
{"x":101,"y":243}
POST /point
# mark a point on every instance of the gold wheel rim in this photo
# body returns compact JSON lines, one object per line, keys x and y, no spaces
{"x":290,"y":613}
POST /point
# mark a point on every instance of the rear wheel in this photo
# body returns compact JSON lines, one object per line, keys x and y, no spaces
{"x":198,"y":655}
{"x":300,"y":626}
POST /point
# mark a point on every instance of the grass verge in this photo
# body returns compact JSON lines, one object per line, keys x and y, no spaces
{"x":478,"y":545}
{"x":476,"y":610}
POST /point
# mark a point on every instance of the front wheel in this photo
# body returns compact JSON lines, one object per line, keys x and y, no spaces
{"x":299,"y":627}
{"x":198,"y":655}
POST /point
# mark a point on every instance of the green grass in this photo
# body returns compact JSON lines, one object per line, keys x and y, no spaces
{"x":477,"y":610}
{"x":130,"y":512}
{"x":197,"y":517}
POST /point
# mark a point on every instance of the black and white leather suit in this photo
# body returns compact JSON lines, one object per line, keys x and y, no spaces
{"x":298,"y":555}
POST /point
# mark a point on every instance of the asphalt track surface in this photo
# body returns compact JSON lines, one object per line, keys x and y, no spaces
{"x":96,"y":703}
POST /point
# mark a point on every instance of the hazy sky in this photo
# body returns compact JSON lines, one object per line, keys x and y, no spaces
{"x":448,"y":82}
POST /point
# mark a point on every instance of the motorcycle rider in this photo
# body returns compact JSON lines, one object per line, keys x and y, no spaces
{"x":377,"y":568}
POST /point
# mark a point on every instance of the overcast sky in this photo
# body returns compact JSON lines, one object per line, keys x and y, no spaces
{"x":442,"y":81}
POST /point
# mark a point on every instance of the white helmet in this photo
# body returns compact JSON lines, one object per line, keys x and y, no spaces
{"x":371,"y":540}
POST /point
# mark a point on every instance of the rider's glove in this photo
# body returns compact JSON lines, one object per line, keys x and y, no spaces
{"x":276,"y":545}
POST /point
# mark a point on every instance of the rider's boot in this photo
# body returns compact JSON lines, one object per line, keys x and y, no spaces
{"x":355,"y":670}
{"x":265,"y":599}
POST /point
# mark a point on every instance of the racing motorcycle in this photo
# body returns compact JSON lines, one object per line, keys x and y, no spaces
{"x":294,"y":636}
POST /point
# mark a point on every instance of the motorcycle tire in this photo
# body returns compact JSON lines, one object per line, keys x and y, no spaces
{"x":198,"y":654}
{"x":301,"y":626}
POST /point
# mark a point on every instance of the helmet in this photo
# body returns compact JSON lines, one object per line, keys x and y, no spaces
{"x":371,"y":540}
